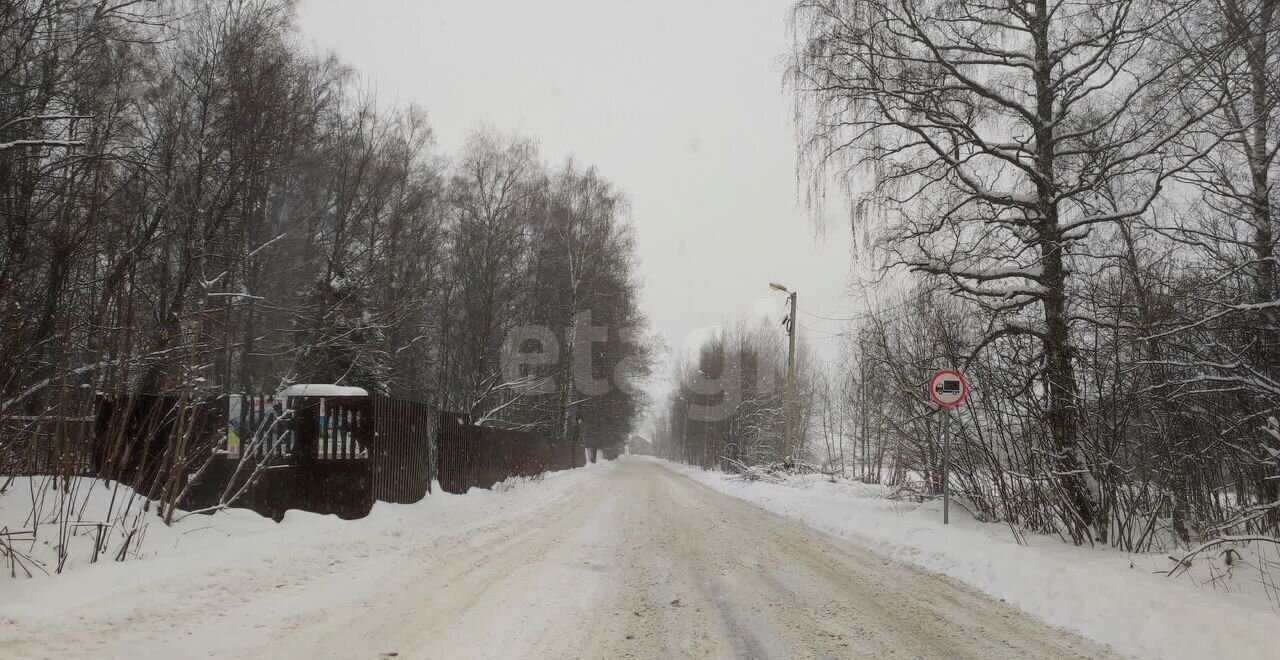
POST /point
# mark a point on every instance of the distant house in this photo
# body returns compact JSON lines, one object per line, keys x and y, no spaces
{"x":639,"y":444}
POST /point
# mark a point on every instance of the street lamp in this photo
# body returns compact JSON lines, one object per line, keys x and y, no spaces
{"x":789,"y":405}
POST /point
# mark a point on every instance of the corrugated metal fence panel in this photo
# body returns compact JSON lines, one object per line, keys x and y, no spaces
{"x":452,"y":451}
{"x":470,"y":456}
{"x":401,"y":449}
{"x":142,"y":438}
{"x":337,"y":486}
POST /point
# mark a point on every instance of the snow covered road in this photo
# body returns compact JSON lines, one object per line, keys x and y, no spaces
{"x":632,"y":560}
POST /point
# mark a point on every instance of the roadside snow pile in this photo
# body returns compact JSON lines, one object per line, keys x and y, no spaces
{"x":50,"y":525}
{"x":1107,"y":595}
{"x":228,"y":540}
{"x":774,"y":473}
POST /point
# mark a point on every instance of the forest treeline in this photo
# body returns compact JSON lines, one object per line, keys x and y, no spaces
{"x":193,"y":201}
{"x":1074,"y":202}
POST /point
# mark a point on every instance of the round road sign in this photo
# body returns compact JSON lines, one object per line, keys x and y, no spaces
{"x":948,"y":388}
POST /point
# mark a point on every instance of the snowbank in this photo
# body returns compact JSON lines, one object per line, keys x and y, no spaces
{"x":1107,"y":595}
{"x":226,"y":545}
{"x":41,"y":515}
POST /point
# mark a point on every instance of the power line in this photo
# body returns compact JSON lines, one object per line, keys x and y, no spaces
{"x":876,"y":313}
{"x":829,"y":335}
{"x":826,"y":318}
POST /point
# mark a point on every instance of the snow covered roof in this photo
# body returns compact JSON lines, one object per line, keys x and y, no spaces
{"x":321,"y":389}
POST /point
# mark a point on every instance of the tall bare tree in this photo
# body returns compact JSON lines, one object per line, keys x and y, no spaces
{"x":991,"y":135}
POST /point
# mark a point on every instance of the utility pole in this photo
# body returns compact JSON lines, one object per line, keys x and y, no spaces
{"x":684,"y":431}
{"x":789,"y":402}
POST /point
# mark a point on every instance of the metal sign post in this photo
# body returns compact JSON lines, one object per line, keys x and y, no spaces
{"x":948,"y":389}
{"x":946,"y":466}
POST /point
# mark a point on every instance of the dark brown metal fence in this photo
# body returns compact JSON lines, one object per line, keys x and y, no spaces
{"x":359,"y":450}
{"x":338,"y":487}
{"x":470,"y":456}
{"x":401,"y":449}
{"x":46,"y":444}
{"x":306,"y":453}
{"x":329,"y":455}
{"x":455,"y":460}
{"x":143,"y":440}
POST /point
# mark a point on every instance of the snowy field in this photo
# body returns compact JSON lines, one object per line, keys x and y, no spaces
{"x":1107,"y":595}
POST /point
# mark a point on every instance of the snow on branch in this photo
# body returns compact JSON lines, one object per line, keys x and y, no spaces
{"x":5,"y":146}
{"x":35,"y":118}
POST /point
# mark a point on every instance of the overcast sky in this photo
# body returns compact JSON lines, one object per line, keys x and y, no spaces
{"x":680,"y":103}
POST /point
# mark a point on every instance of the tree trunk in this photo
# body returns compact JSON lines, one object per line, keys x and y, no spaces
{"x":1060,"y":377}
